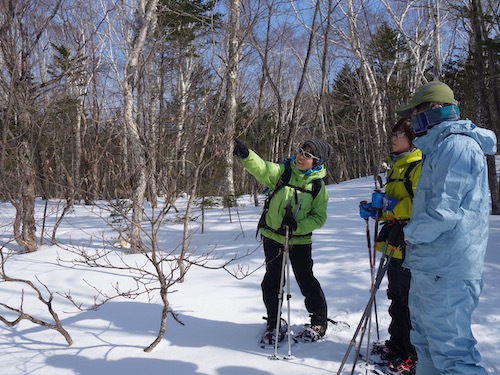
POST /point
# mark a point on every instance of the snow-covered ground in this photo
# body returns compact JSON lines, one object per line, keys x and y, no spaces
{"x":222,"y":315}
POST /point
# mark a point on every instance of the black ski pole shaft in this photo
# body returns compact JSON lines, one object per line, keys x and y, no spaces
{"x":375,"y":236}
{"x":384,"y":264}
{"x":372,"y":263}
{"x":368,"y":238}
{"x":382,"y":269}
{"x":380,"y":274}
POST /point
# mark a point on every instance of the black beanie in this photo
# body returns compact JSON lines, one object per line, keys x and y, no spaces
{"x":320,"y":149}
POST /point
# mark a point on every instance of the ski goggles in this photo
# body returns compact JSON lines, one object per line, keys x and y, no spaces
{"x":307,"y":155}
{"x":423,"y":121}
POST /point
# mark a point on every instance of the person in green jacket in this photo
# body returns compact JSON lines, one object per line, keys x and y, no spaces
{"x":393,"y":208}
{"x":306,"y":212}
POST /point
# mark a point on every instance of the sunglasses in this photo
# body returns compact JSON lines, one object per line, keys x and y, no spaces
{"x":307,"y":155}
{"x":399,"y":134}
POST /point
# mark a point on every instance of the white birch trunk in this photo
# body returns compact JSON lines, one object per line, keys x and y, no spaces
{"x":231,"y":95}
{"x":147,"y":13}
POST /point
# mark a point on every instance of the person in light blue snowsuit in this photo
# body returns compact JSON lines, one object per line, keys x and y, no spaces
{"x":448,"y":232}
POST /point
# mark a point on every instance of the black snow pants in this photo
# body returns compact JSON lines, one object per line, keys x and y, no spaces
{"x":397,"y":291}
{"x":302,"y":266}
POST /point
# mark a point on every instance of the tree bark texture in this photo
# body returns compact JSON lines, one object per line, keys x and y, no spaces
{"x":146,"y":18}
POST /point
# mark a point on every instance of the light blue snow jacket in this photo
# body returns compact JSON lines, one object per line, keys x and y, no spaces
{"x":448,"y":230}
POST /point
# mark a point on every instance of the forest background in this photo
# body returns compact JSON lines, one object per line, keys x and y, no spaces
{"x":140,"y":99}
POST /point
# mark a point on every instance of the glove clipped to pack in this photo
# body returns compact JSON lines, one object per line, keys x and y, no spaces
{"x":381,"y":201}
{"x":240,"y":149}
{"x":288,"y":220}
{"x":366,"y":210}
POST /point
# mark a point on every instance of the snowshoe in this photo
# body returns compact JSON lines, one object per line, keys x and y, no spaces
{"x":386,"y":351}
{"x":310,"y":333}
{"x":385,"y":358}
{"x":403,"y":367}
{"x":268,"y":338}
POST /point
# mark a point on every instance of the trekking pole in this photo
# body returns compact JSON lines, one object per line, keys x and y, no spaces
{"x":384,"y":263}
{"x":285,"y":261}
{"x":288,"y":297}
{"x":368,"y":321}
{"x":379,"y":277}
{"x":288,"y":294}
{"x":368,"y":240}
{"x":373,"y":259}
{"x":280,"y":295}
{"x":372,"y":266}
{"x":368,"y":339}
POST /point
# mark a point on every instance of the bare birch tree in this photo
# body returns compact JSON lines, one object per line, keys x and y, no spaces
{"x":231,"y":104}
{"x":416,"y":27}
{"x":353,"y":41}
{"x":145,"y":18}
{"x":294,"y":116}
{"x":20,"y":33}
{"x":270,"y":96}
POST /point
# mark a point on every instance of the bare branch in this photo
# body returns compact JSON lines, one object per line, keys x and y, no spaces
{"x":21,"y":314}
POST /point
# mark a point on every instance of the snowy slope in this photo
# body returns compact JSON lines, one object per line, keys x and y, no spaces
{"x":222,"y":315}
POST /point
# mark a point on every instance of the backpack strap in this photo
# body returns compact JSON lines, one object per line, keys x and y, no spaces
{"x":406,"y":179}
{"x":317,"y":185}
{"x":285,"y":178}
{"x":282,"y":182}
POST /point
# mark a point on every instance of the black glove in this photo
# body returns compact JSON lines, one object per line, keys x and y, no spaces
{"x":393,"y":232}
{"x":397,"y":236}
{"x":240,"y":149}
{"x":289,"y":220}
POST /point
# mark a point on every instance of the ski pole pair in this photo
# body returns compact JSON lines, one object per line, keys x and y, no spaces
{"x":285,"y":262}
{"x":382,"y":268}
{"x":372,"y":258}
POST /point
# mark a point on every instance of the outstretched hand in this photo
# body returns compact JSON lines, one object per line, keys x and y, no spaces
{"x":240,"y":149}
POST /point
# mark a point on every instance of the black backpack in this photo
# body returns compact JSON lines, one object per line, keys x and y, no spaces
{"x":282,"y":182}
{"x":406,"y":179}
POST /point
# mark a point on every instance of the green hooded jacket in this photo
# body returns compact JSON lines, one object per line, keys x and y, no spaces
{"x":312,"y":212}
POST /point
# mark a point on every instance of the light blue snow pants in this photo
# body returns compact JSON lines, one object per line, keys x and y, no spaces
{"x":441,"y":311}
